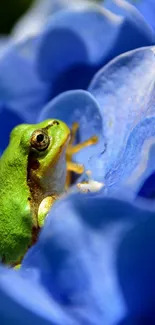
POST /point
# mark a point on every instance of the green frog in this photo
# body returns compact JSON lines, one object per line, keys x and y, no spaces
{"x":33,"y":173}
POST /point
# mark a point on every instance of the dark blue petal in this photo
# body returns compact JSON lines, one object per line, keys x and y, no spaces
{"x":148,"y":188}
{"x":145,"y":176}
{"x":98,"y":259}
{"x":79,"y":106}
{"x":75,"y":44}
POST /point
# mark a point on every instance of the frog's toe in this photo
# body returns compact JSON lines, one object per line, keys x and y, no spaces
{"x":17,"y":267}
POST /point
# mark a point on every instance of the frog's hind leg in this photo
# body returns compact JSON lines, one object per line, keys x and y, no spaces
{"x":73,"y":149}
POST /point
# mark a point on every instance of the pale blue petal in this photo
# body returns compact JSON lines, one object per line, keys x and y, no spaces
{"x":79,"y":106}
{"x":124,"y":90}
{"x":133,"y":155}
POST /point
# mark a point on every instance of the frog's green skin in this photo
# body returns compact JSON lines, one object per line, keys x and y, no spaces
{"x":27,"y":176}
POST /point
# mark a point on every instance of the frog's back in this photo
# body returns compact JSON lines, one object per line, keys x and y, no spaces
{"x":15,"y":215}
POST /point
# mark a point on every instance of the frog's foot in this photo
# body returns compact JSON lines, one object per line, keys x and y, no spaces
{"x":73,"y":149}
{"x":17,"y":267}
{"x":44,"y":208}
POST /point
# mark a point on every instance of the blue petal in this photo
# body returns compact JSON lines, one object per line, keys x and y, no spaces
{"x":9,"y":119}
{"x":124,"y":90}
{"x":24,"y":301}
{"x":132,"y":7}
{"x":75,"y":44}
{"x":99,"y":258}
{"x":33,"y":21}
{"x":20,"y":88}
{"x":147,"y":9}
{"x":141,"y":180}
{"x":78,"y":106}
{"x":133,"y":155}
{"x":148,"y":188}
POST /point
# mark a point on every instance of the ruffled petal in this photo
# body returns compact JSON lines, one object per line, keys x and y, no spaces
{"x":33,"y":21}
{"x":76,"y":43}
{"x":130,"y":166}
{"x":124,"y":90}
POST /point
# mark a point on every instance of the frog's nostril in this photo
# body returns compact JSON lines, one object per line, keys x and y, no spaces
{"x":55,"y":122}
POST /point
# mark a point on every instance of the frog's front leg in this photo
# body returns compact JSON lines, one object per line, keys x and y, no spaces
{"x":73,"y":149}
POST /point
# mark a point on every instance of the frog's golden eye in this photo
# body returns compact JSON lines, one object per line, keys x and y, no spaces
{"x":40,"y":140}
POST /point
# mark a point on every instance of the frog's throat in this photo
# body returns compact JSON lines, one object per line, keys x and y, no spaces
{"x":38,"y":192}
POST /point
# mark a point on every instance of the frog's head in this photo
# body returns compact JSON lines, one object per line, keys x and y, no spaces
{"x":45,"y":139}
{"x":44,"y":144}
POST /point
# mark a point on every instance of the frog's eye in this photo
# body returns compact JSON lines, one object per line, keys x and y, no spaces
{"x":40,"y":140}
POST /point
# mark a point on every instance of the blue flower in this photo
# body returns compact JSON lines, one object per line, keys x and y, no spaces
{"x":121,"y":112}
{"x":73,"y":45}
{"x":93,"y":265}
{"x":117,"y":109}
